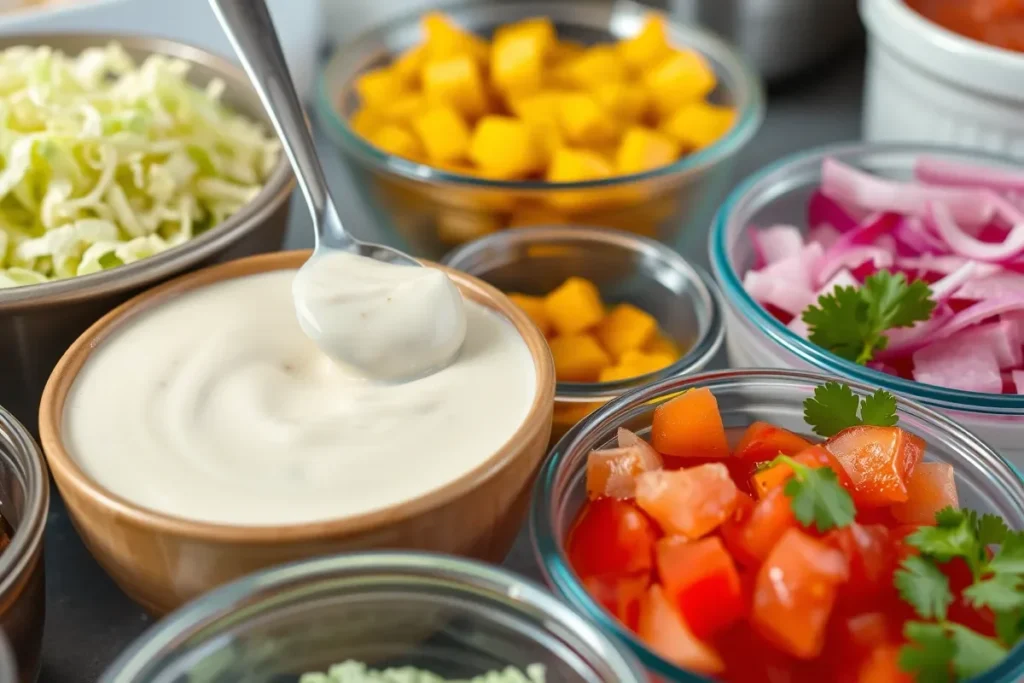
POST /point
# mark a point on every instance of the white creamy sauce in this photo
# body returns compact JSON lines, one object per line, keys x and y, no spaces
{"x":390,"y":322}
{"x":215,"y":406}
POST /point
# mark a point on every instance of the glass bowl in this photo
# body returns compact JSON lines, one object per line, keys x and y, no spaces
{"x":986,"y":482}
{"x":451,"y":616}
{"x":431,"y":210}
{"x":626,"y":268}
{"x":24,"y":504}
{"x":755,"y":338}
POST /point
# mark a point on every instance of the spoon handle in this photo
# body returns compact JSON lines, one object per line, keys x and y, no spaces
{"x":250,"y":29}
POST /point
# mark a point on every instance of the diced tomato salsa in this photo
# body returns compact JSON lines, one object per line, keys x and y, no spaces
{"x":732,"y":584}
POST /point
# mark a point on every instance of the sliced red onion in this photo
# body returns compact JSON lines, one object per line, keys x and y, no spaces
{"x":905,"y":340}
{"x":1018,"y":380}
{"x":825,"y":235}
{"x":769,"y":289}
{"x":799,"y":327}
{"x":823,"y":211}
{"x":852,"y":187}
{"x":1002,"y":283}
{"x":776,"y":243}
{"x":945,"y":264}
{"x":947,"y":364}
{"x":945,"y":287}
{"x":1002,"y":338}
{"x":941,"y":172}
{"x":913,"y":238}
{"x":942,"y":220}
{"x":972,"y":315}
{"x":850,"y":258}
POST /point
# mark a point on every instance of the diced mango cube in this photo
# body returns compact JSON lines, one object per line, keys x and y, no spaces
{"x":626,"y":102}
{"x":645,"y":363}
{"x":681,"y":78}
{"x":379,"y":88}
{"x":444,"y":134}
{"x":404,"y":108}
{"x":526,"y":216}
{"x":459,"y":227}
{"x":457,"y":82}
{"x":517,"y":64}
{"x":626,"y":328}
{"x":578,"y":358}
{"x":409,"y":65}
{"x":395,"y":139}
{"x":533,"y":307}
{"x":584,"y":121}
{"x":595,"y":65}
{"x":616,"y":373}
{"x":540,"y":31}
{"x":575,"y":306}
{"x":570,"y":165}
{"x":648,"y":46}
{"x":659,"y":343}
{"x":642,"y":149}
{"x":565,"y":50}
{"x":505,"y":147}
{"x":540,"y":107}
{"x":364,"y":122}
{"x":445,"y":40}
{"x":700,"y":124}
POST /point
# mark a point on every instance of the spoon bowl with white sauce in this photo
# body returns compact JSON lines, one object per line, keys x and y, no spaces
{"x":368,"y":306}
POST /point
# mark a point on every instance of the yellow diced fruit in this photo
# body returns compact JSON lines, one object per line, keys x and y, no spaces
{"x":540,"y":31}
{"x":379,"y":88}
{"x":567,"y":414}
{"x":409,"y":65}
{"x":577,"y":165}
{"x":575,"y":306}
{"x":505,"y":147}
{"x":681,"y":78}
{"x":533,"y":307}
{"x":661,"y":344}
{"x":616,"y":373}
{"x":395,"y":139}
{"x":456,"y":82}
{"x":626,"y":328}
{"x":583,"y":121}
{"x":565,"y":50}
{"x":625,"y":102}
{"x":540,"y":107}
{"x":700,"y":124}
{"x":643,"y":149}
{"x":445,"y":40}
{"x":444,"y":134}
{"x":364,"y":122}
{"x":648,"y":46}
{"x":595,"y":65}
{"x":645,"y":363}
{"x":578,"y":358}
{"x":459,"y":227}
{"x":404,"y":108}
{"x":517,"y":64}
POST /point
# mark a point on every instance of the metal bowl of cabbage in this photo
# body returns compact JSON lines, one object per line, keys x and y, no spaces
{"x":125,"y":161}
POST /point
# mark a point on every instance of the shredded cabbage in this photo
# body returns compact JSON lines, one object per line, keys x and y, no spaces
{"x":357,"y":672}
{"x":105,"y":162}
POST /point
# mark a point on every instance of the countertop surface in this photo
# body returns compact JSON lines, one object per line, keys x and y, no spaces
{"x":89,"y":621}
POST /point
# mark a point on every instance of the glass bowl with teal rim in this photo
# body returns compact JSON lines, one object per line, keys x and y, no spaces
{"x":454,"y":617}
{"x":985,"y":481}
{"x":429,"y":210}
{"x":755,"y":338}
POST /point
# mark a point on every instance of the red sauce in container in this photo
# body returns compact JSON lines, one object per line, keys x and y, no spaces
{"x":995,"y":22}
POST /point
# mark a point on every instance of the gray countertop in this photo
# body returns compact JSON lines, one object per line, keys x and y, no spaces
{"x":89,"y":620}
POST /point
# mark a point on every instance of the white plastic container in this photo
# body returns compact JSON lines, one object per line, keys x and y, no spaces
{"x":927,"y":84}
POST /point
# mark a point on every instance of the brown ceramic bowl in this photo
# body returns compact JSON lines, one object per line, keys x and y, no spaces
{"x":163,"y":561}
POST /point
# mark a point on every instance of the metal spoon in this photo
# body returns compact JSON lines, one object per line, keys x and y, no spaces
{"x":348,"y":318}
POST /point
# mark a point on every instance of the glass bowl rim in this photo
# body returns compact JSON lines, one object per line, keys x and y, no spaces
{"x":708,"y":299}
{"x":554,"y":564}
{"x":735,"y":295}
{"x":477,"y":580}
{"x":749,"y":92}
{"x":28,"y":534}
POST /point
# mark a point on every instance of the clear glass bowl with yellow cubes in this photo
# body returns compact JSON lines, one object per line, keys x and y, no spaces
{"x":518,"y":113}
{"x":619,"y":310}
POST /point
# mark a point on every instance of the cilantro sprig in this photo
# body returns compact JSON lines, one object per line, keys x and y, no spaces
{"x":834,"y":407}
{"x":851,"y":321}
{"x":940,"y":651}
{"x":816,"y":496}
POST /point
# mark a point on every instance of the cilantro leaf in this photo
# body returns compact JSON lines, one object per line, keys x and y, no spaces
{"x":992,"y":529}
{"x":851,"y":322}
{"x":924,"y":586}
{"x":928,"y":654}
{"x":944,"y":542}
{"x":1001,"y":593}
{"x":834,"y":407}
{"x":1010,"y":557}
{"x":816,"y":496}
{"x":974,"y":654}
{"x":879,"y":409}
{"x":1010,"y":627}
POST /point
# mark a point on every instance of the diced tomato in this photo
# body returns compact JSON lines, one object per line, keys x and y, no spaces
{"x":879,"y":460}
{"x":931,"y":487}
{"x":813,"y":456}
{"x":875,"y":516}
{"x":611,"y":538}
{"x":613,"y":472}
{"x":690,"y":502}
{"x":752,"y":533}
{"x":882,"y":665}
{"x":960,"y":610}
{"x":700,"y":579}
{"x":665,"y":632}
{"x":620,"y":595}
{"x":795,"y":593}
{"x":871,"y":560}
{"x":690,"y":425}
{"x":762,"y":441}
{"x":867,"y":630}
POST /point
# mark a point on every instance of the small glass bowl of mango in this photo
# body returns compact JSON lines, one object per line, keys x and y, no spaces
{"x":526,"y":105}
{"x":592,"y":342}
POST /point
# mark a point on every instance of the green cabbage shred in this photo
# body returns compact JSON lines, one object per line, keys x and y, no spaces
{"x":105,"y":162}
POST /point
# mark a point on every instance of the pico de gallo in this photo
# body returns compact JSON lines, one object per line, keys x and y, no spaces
{"x":789,"y":558}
